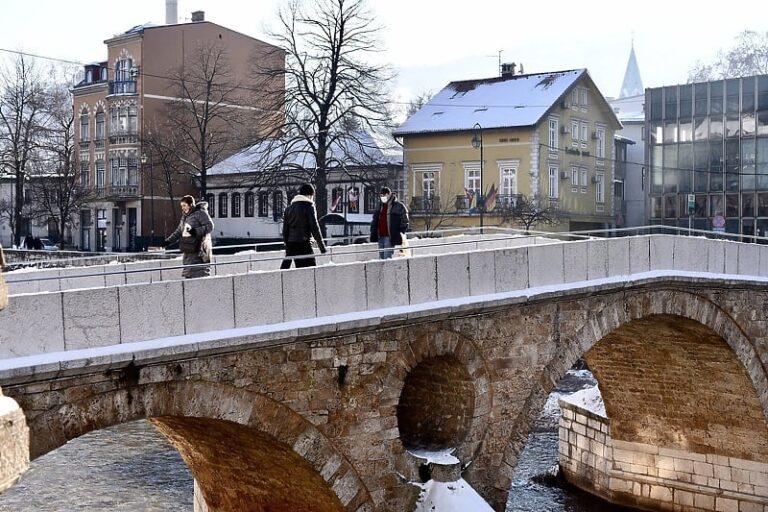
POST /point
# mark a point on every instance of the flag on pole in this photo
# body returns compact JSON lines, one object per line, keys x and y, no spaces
{"x":490,"y":199}
{"x":470,"y":198}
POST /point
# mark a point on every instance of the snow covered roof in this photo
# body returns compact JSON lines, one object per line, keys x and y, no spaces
{"x":355,"y":150}
{"x":500,"y":102}
{"x":630,"y":108}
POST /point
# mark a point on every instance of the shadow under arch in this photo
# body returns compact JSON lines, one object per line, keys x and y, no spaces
{"x":667,"y":325}
{"x":199,"y":418}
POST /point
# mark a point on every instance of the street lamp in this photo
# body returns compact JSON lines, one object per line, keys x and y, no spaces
{"x":477,"y":143}
{"x":151,"y":195}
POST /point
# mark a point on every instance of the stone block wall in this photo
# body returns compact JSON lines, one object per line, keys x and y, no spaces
{"x":652,"y":477}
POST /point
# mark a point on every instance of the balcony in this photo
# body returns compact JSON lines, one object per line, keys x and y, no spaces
{"x":425,"y":204}
{"x":122,"y":87}
{"x":84,"y":142}
{"x":124,"y":136}
{"x":124,"y":191}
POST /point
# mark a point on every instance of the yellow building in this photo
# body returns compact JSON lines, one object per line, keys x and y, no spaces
{"x":542,"y":139}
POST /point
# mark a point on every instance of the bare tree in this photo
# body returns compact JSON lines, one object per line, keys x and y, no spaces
{"x":330,"y":88}
{"x":54,"y":181}
{"x":22,"y":100}
{"x":210,"y":117}
{"x":748,"y":56}
{"x":529,"y":212}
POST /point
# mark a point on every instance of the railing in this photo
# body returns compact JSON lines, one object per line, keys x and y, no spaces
{"x":122,"y":87}
{"x":503,"y":203}
{"x":124,"y":136}
{"x":124,"y":190}
{"x":425,"y":204}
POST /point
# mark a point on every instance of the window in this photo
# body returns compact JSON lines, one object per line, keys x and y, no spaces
{"x":575,"y":96}
{"x":553,"y":182}
{"x":263,"y":204}
{"x":236,"y":204}
{"x":472,"y":178}
{"x":132,"y":119}
{"x":574,"y":133}
{"x":584,"y":132}
{"x":100,"y":125}
{"x":101,"y":174}
{"x":508,"y":181}
{"x":85,"y":176}
{"x":133,"y":171}
{"x":371,"y":199}
{"x":428,"y":184}
{"x":583,"y":173}
{"x":114,"y":167}
{"x":223,"y":205}
{"x":211,"y":200}
{"x":553,"y":135}
{"x":583,"y":97}
{"x":574,"y":179}
{"x":249,"y":204}
{"x":599,"y":188}
{"x":600,"y":145}
{"x":277,"y":205}
{"x":84,"y":135}
{"x":353,"y":200}
{"x":123,"y":70}
{"x":337,"y":200}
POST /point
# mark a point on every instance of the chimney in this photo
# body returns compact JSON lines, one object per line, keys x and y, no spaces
{"x":198,"y":16}
{"x":171,"y":12}
{"x":508,"y":69}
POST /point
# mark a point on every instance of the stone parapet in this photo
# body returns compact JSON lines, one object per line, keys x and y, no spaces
{"x":652,"y":477}
{"x":14,"y":442}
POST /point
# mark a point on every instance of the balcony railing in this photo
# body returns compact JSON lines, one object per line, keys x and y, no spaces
{"x":124,"y":191}
{"x":502,"y":203}
{"x":126,"y":136}
{"x":122,"y":87}
{"x":425,"y":204}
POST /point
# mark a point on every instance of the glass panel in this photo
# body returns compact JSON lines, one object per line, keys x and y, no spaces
{"x":715,"y":204}
{"x":686,"y":97}
{"x":762,"y":93}
{"x":748,"y":164}
{"x":655,"y":104}
{"x":748,"y":205}
{"x":732,"y":225}
{"x":732,"y":126}
{"x":656,"y":169}
{"x":732,"y":95}
{"x":656,"y":133}
{"x":670,"y":103}
{"x":701,"y":128}
{"x":748,"y":125}
{"x":715,"y":166}
{"x":670,"y":132}
{"x":731,"y":205}
{"x":747,"y":94}
{"x":762,"y":123}
{"x":686,"y":130}
{"x":656,"y":206}
{"x":700,"y":101}
{"x":762,"y":204}
{"x":716,"y":98}
{"x":701,"y":205}
{"x":701,"y":167}
{"x":762,"y":229}
{"x":716,"y":127}
{"x":732,"y":155}
{"x":670,"y":168}
{"x":684,"y":163}
{"x":670,"y":206}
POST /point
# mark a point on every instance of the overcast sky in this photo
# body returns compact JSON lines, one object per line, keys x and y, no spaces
{"x":431,"y":42}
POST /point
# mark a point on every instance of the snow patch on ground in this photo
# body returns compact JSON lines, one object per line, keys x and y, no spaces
{"x":444,"y":457}
{"x":589,"y":399}
{"x":456,"y":496}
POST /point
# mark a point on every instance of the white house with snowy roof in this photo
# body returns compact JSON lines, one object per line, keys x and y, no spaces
{"x":249,"y":191}
{"x":547,"y":137}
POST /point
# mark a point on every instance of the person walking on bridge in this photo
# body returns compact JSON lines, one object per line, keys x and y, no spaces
{"x":194,"y":237}
{"x":389,"y":224}
{"x":299,"y":226}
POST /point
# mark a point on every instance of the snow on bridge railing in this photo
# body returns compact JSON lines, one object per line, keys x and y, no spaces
{"x":256,"y":302}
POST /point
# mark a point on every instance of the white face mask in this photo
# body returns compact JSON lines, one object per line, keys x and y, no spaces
{"x":384,"y":199}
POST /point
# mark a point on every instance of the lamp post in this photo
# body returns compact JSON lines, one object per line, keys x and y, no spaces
{"x":151,"y":195}
{"x":477,"y":143}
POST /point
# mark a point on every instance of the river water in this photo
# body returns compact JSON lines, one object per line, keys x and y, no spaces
{"x":132,"y":468}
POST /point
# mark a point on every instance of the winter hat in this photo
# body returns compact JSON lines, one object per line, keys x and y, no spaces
{"x":306,"y":189}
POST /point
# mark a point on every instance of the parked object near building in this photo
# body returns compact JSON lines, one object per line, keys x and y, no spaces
{"x":546,"y":136}
{"x":709,"y":139}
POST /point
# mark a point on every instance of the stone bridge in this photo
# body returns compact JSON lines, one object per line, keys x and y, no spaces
{"x":307,"y":388}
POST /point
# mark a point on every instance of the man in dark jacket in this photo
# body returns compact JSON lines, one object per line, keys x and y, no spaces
{"x":299,"y":225}
{"x":390,"y":222}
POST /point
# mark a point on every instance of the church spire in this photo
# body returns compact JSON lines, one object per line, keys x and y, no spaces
{"x":633,"y":84}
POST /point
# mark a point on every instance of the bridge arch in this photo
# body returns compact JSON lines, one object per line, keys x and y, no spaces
{"x":221,"y":431}
{"x":443,"y":374}
{"x":691,"y":338}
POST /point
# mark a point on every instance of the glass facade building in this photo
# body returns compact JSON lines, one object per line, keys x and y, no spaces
{"x":709,"y":139}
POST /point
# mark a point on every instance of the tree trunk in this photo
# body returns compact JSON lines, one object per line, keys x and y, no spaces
{"x":18,"y":204}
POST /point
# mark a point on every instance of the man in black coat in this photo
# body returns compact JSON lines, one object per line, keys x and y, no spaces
{"x":390,"y":222}
{"x":299,"y":225}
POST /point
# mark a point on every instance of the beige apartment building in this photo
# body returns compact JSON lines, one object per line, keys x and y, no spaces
{"x":117,"y":103}
{"x":546,"y":136}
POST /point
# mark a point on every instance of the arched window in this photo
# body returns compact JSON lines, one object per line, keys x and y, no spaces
{"x":249,"y":204}
{"x":211,"y":200}
{"x":84,"y":122}
{"x":100,"y":121}
{"x":223,"y":205}
{"x":236,"y":204}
